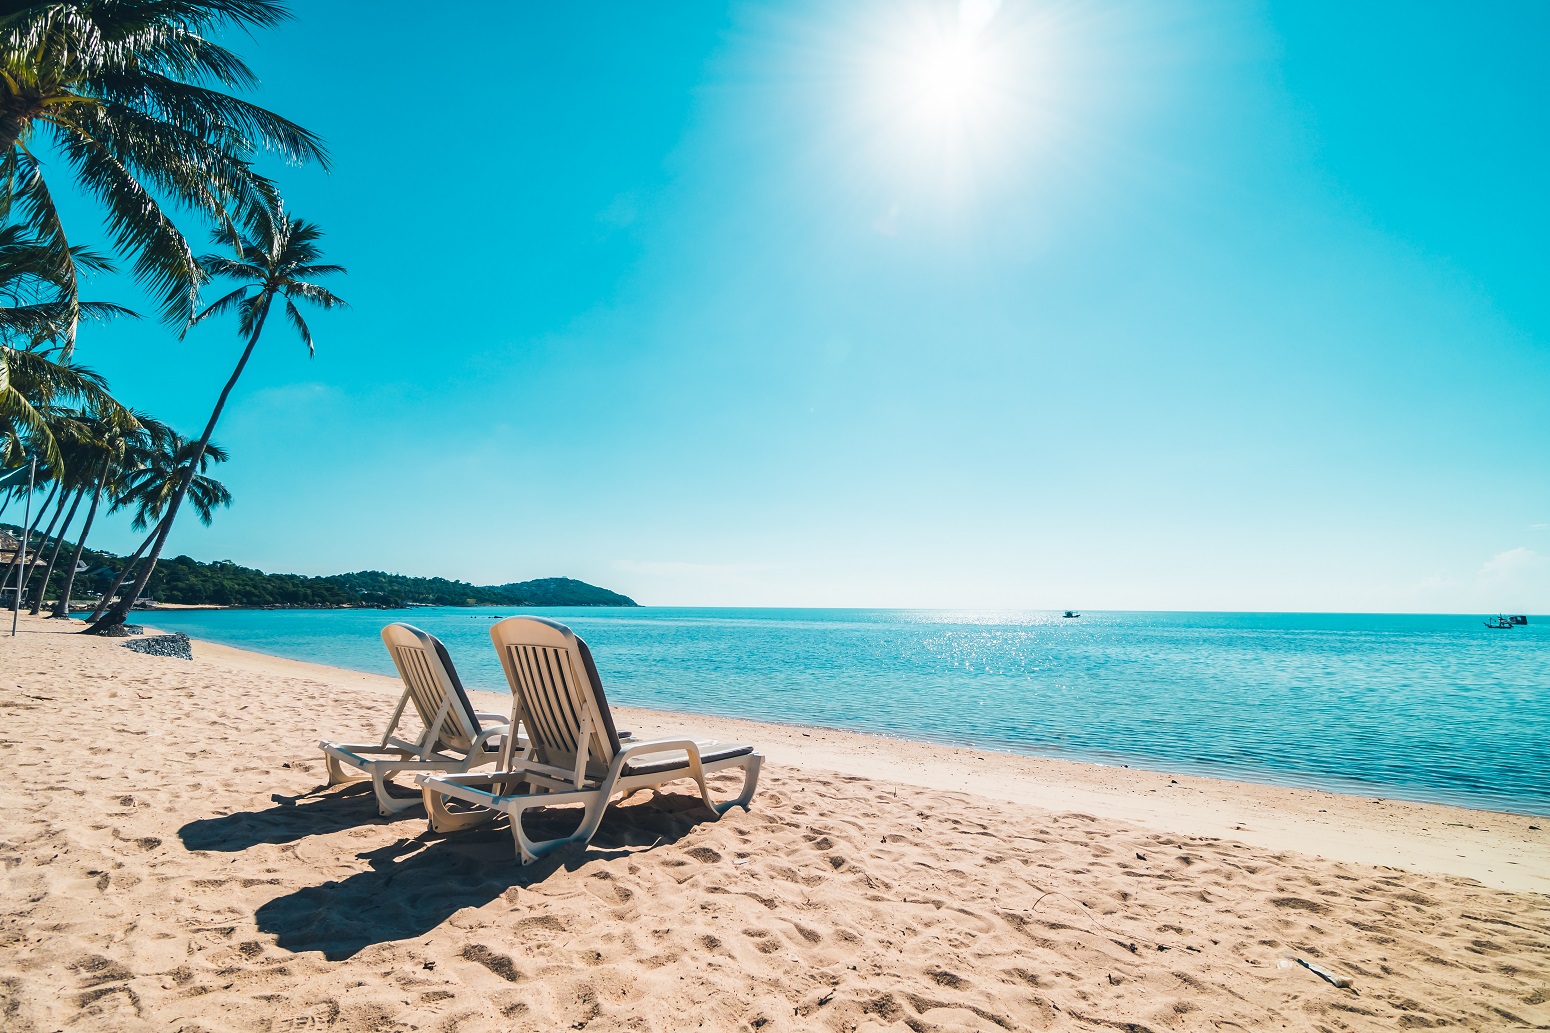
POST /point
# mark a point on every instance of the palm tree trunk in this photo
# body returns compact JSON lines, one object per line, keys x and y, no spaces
{"x":62,"y":606}
{"x":120,"y":610}
{"x":48,"y":572}
{"x":21,"y":552}
{"x":129,"y":564}
{"x":32,"y":568}
{"x":11,"y":127}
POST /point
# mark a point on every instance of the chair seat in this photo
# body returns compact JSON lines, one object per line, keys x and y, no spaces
{"x":656,"y":763}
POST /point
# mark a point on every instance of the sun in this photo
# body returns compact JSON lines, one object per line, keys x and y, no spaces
{"x":948,"y":78}
{"x":939,"y":67}
{"x":942,"y":98}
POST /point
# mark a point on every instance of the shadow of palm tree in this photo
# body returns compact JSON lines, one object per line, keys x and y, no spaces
{"x":289,"y":820}
{"x":413,"y":885}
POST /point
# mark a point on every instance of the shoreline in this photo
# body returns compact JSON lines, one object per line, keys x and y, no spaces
{"x":173,"y":858}
{"x":1502,"y":849}
{"x":1331,"y":784}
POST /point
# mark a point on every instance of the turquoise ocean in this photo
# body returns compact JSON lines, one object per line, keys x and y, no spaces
{"x":1431,"y":708}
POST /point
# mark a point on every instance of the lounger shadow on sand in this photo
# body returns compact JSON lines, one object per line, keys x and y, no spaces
{"x":414,"y":885}
{"x":290,"y":819}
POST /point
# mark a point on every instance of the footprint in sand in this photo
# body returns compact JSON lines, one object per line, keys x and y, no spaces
{"x":500,"y":964}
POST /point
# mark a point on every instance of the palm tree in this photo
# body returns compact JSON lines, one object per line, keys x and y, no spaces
{"x":150,"y":487}
{"x":33,"y":390}
{"x":73,"y":475}
{"x":26,"y":554}
{"x":38,"y":384}
{"x":165,"y":466}
{"x":35,"y":418}
{"x":278,"y":261}
{"x":118,"y":87}
{"x":121,"y":437}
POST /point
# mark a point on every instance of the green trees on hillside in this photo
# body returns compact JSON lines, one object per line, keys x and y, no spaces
{"x":187,"y":581}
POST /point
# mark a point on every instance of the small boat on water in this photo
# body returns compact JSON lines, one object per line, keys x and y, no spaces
{"x":1501,"y":621}
{"x":1517,"y":618}
{"x":1071,"y":613}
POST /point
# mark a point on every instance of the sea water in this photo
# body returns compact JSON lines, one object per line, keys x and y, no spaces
{"x":1433,"y":708}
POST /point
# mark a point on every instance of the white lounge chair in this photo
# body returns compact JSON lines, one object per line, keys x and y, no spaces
{"x":453,"y":739}
{"x":574,"y":754}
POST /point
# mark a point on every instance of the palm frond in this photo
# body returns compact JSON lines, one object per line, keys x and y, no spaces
{"x":319,"y":296}
{"x":223,"y":304}
{"x":301,"y":326}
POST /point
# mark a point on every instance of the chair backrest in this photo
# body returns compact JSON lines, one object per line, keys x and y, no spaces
{"x":555,"y":685}
{"x":431,"y":682}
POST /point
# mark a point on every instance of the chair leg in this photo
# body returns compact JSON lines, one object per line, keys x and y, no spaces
{"x":699,"y":780}
{"x":336,"y":772}
{"x":750,"y":783}
{"x":444,"y":819}
{"x":529,"y":850}
{"x":532,"y":850}
{"x":388,"y":805}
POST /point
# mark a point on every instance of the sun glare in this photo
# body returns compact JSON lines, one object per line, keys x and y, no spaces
{"x":949,"y":98}
{"x":936,"y":75}
{"x":948,"y":78}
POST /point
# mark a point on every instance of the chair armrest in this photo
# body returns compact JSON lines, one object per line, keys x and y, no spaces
{"x":488,"y":734}
{"x":502,"y":718}
{"x":658,"y":746}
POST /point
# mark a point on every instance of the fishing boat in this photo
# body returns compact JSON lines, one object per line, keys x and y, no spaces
{"x":1500,"y":621}
{"x":1071,"y":613}
{"x":1517,"y":618}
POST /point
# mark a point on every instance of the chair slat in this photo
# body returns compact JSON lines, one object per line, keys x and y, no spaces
{"x":541,"y":731}
{"x":559,"y":695}
{"x":428,"y":693}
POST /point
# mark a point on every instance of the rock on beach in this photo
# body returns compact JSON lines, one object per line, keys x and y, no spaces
{"x":175,"y":644}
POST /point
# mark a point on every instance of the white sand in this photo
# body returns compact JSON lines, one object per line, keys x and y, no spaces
{"x":170,"y":862}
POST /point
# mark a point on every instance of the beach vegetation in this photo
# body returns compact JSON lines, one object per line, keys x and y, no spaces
{"x":39,"y":381}
{"x":135,"y":98}
{"x":135,"y":106}
{"x":116,"y":441}
{"x":276,"y":264}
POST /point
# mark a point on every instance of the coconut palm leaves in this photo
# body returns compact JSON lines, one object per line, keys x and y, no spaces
{"x":117,"y":437}
{"x":38,"y":304}
{"x":148,"y":488}
{"x":277,"y":262}
{"x":37,"y":393}
{"x":151,"y":488}
{"x":128,"y":92}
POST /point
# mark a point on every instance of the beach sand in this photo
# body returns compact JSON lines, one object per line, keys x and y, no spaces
{"x":172,"y":862}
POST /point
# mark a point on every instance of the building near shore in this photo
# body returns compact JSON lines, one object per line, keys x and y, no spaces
{"x":9,"y":543}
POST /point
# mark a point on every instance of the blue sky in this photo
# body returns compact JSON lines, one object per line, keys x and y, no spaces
{"x":1102,"y":305}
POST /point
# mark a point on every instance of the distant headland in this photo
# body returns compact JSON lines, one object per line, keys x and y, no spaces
{"x":187,"y":581}
{"x":184,"y":581}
